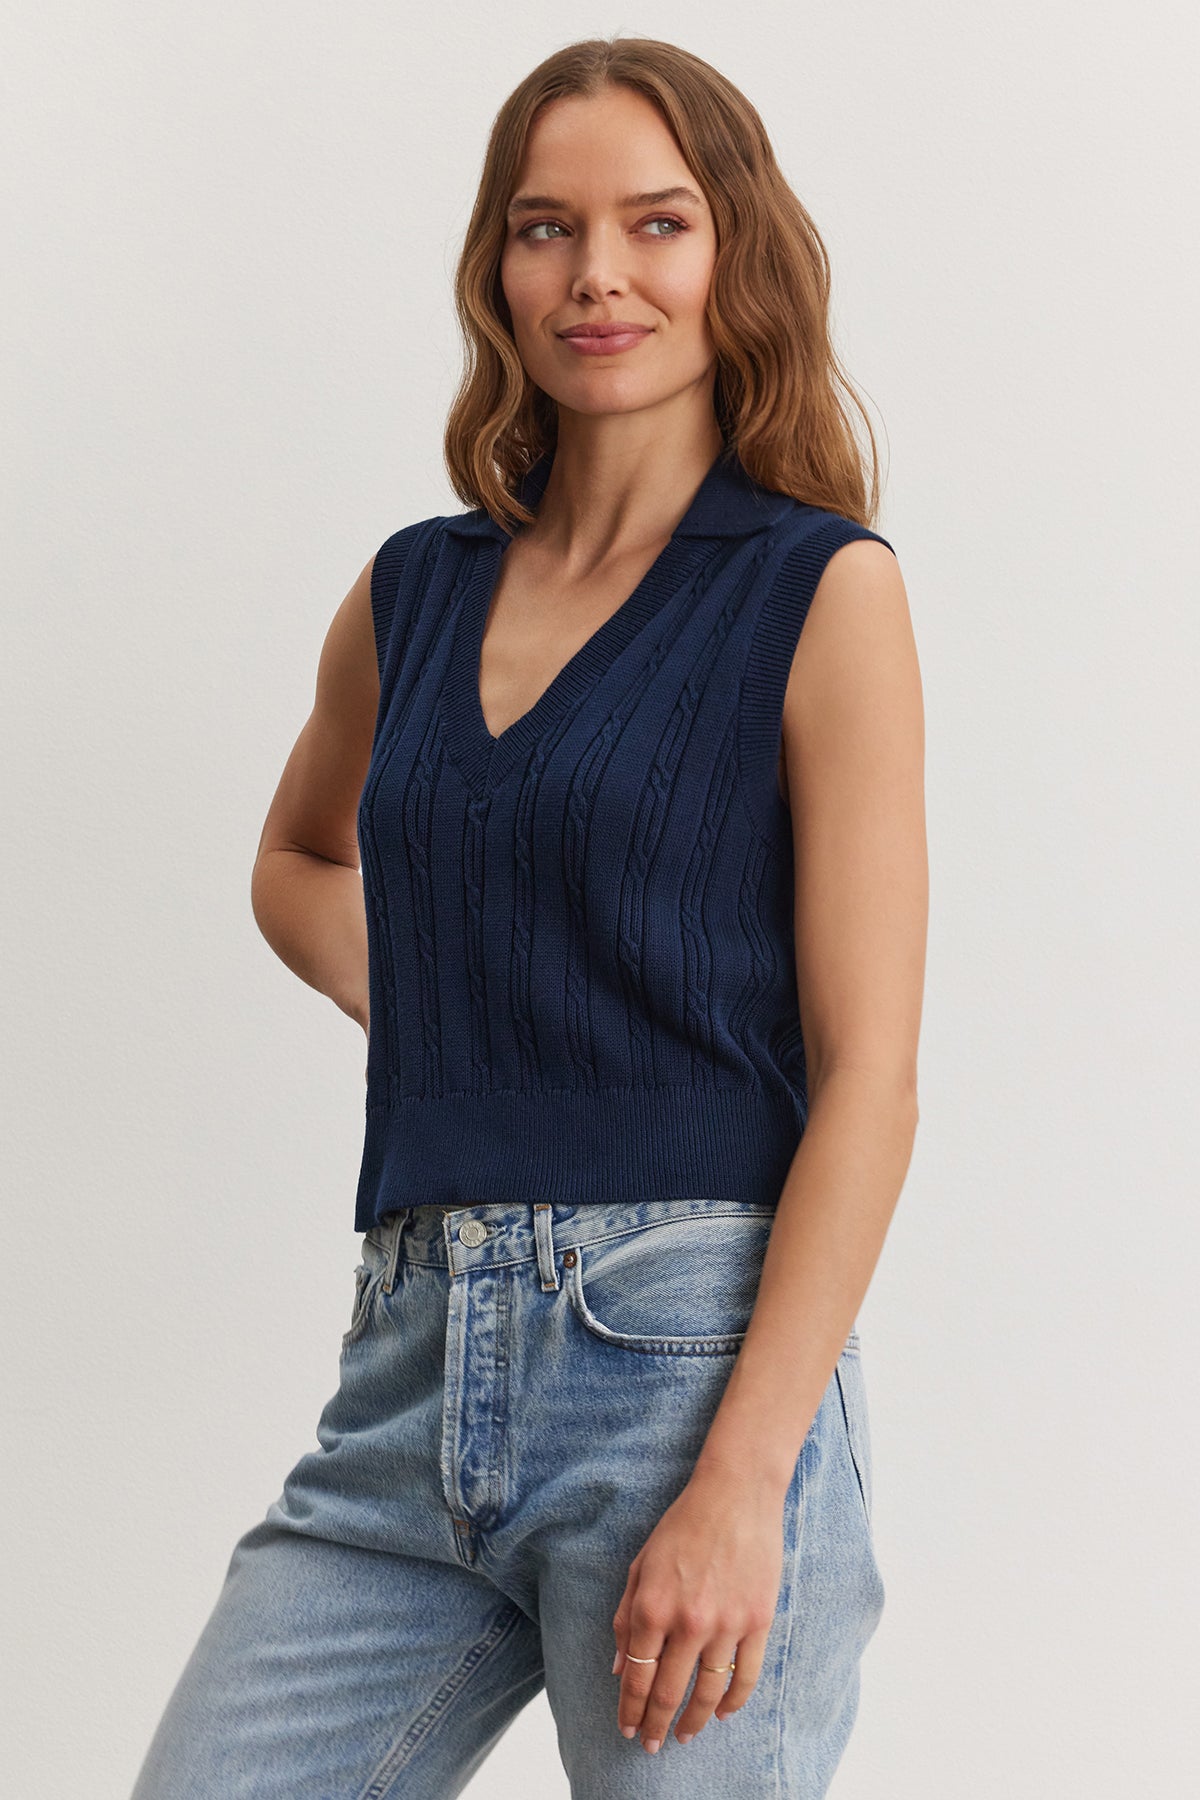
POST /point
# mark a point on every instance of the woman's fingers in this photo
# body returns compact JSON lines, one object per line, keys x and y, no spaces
{"x":651,"y":1692}
{"x":640,"y":1679}
{"x":716,"y":1696}
{"x":620,"y":1623}
{"x":708,"y":1690}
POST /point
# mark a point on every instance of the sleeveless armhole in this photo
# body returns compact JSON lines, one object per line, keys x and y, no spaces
{"x":769,"y":663}
{"x":386,"y":576}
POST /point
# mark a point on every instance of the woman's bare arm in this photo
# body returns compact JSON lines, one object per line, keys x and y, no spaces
{"x":853,"y":730}
{"x":305,"y":889}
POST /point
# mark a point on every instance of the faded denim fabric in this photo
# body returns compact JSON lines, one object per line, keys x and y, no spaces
{"x":524,"y":1389}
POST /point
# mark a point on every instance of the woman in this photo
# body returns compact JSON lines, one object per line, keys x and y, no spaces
{"x":641,"y":975}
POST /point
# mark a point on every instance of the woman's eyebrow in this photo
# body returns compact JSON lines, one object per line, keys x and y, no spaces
{"x":680,"y":196}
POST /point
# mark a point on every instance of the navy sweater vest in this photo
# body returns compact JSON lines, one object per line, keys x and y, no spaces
{"x":581,"y":958}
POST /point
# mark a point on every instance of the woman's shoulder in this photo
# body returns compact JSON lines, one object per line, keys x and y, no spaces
{"x":801,"y":522}
{"x":804,"y":540}
{"x":405,"y":537}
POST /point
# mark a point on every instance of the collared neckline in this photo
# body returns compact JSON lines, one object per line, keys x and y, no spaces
{"x":728,"y":503}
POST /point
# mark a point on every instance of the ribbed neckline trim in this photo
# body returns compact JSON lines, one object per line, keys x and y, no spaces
{"x":728,"y":503}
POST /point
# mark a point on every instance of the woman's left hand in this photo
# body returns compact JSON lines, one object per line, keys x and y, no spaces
{"x":703,"y":1588}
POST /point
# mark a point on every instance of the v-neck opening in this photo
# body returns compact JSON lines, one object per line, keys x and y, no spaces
{"x":486,"y":759}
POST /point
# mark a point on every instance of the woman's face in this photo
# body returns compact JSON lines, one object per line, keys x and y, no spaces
{"x":596,"y":246}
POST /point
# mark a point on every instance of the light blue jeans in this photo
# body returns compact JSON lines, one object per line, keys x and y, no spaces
{"x":524,"y":1389}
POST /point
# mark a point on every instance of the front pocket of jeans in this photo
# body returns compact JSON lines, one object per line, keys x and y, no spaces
{"x":682,"y":1287}
{"x":367,"y":1276}
{"x":853,"y":1394}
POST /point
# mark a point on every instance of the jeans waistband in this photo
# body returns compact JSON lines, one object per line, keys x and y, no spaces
{"x":501,"y":1233}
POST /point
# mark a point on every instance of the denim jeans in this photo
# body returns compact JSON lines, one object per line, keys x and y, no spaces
{"x":524,"y":1389}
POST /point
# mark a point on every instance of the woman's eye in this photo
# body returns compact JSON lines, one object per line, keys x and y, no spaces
{"x":678,"y":227}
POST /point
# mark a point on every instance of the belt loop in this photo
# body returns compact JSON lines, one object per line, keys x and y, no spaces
{"x":399,"y":1221}
{"x":543,"y":1232}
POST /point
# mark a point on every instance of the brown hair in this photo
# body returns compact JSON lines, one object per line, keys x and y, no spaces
{"x":776,"y":393}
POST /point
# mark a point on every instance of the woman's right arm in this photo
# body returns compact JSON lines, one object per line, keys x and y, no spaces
{"x":305,"y":890}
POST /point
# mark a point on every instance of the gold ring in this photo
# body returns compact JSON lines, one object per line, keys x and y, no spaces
{"x":718,"y":1669}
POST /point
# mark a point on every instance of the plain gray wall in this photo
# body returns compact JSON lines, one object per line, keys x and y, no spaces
{"x":228,"y":352}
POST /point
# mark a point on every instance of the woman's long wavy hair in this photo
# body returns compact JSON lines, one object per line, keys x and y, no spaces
{"x":779,"y":384}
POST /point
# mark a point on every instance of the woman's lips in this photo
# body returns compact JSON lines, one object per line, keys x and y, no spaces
{"x":608,"y":344}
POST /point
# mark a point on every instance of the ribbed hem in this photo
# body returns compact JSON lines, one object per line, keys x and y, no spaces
{"x":578,"y":1148}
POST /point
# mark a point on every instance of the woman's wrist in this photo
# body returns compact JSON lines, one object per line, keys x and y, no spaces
{"x":767,"y":1480}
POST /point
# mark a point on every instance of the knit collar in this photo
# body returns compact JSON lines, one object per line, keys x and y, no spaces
{"x":728,"y":503}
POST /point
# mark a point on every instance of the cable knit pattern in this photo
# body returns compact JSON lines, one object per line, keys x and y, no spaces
{"x":580,"y":933}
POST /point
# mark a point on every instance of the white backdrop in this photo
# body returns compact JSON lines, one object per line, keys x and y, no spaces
{"x":228,"y":352}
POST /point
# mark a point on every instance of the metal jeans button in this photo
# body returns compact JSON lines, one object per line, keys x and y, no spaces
{"x":473,"y":1232}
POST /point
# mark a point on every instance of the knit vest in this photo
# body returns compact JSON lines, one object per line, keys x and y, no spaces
{"x":580,"y":933}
